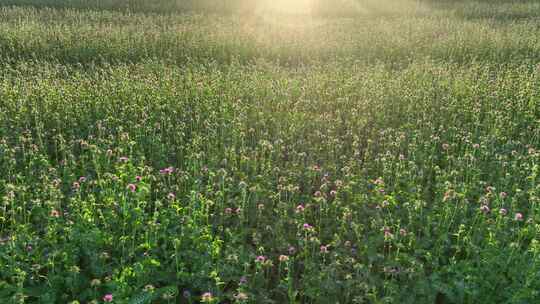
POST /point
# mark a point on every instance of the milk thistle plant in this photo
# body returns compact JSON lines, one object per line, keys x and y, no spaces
{"x":311,"y":152}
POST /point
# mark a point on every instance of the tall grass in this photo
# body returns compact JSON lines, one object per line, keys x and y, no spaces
{"x":182,"y":157}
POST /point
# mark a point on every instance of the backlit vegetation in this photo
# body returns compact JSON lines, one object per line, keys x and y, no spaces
{"x":210,"y":151}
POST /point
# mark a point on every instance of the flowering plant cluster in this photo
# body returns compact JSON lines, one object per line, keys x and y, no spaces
{"x":172,"y":158}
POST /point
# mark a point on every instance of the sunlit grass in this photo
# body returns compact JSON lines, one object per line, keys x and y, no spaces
{"x":274,"y":152}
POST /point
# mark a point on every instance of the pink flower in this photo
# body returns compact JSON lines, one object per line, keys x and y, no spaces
{"x":76,"y":185}
{"x":518,"y":217}
{"x":484,"y":208}
{"x":318,"y":193}
{"x":138,"y":178}
{"x":503,"y":195}
{"x":292,"y":250}
{"x":82,"y":179}
{"x":132,"y":187}
{"x":445,"y":146}
{"x":108,"y":298}
{"x":167,"y":171}
{"x":476,"y":146}
{"x":446,"y":196}
{"x":207,"y":297}
{"x":307,"y":226}
{"x":123,"y":159}
{"x":324,"y":249}
{"x":333,"y":193}
{"x":55,"y":213}
{"x":503,"y":212}
{"x":260,"y":259}
{"x":402,"y":232}
{"x":171,"y":196}
{"x":299,"y":208}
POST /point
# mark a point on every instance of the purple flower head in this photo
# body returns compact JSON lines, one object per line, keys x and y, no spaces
{"x":138,"y":178}
{"x":333,"y":193}
{"x":503,"y":195}
{"x":243,"y":280}
{"x":518,"y":217}
{"x":292,"y":250}
{"x":324,"y":249}
{"x":171,"y":196}
{"x":307,"y":226}
{"x":82,"y":179}
{"x":108,"y":298}
{"x":503,"y":212}
{"x":484,"y":208}
{"x":299,"y":208}
{"x":132,"y":187}
{"x":260,"y":259}
{"x":167,"y":171}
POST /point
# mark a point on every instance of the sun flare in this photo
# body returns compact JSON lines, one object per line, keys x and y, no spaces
{"x":287,"y":7}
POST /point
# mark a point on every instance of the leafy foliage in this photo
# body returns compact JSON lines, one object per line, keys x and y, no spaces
{"x":393,"y":157}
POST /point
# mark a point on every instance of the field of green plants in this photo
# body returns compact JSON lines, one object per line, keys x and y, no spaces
{"x":355,"y":151}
